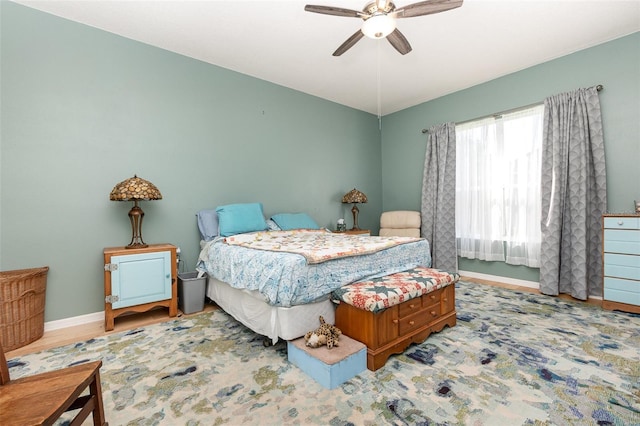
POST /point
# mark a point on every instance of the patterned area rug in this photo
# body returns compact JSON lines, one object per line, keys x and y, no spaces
{"x":513,"y":358}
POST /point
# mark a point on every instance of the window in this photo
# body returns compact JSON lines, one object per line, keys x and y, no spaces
{"x":498,"y":163}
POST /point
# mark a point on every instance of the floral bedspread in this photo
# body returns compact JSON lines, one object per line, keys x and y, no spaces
{"x":316,"y":246}
{"x":378,"y":294}
{"x":286,"y":279}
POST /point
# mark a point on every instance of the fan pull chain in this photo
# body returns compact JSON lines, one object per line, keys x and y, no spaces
{"x":379,"y":87}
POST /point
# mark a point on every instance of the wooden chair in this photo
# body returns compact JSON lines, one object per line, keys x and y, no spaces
{"x":42,"y":398}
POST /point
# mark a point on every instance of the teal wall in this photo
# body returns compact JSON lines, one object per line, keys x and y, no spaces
{"x":83,"y":109}
{"x":615,"y":65}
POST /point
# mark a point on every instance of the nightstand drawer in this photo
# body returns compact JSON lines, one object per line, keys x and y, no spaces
{"x":622,"y":266}
{"x":622,"y":222}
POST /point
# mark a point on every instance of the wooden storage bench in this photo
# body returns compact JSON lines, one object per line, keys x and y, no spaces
{"x":389,"y":313}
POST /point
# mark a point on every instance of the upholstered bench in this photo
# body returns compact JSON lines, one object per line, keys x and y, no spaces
{"x":389,"y":313}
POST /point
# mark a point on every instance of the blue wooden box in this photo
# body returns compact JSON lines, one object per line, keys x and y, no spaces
{"x":329,"y":367}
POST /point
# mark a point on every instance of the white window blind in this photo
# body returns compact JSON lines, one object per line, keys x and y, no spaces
{"x":498,"y":187}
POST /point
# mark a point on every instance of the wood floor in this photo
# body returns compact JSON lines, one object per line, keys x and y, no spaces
{"x":55,"y":338}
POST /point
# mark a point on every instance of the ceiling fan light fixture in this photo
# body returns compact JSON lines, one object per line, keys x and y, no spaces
{"x":379,"y":18}
{"x":379,"y":26}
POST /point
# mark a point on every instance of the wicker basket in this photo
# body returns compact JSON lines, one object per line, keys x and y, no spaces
{"x":22,"y":297}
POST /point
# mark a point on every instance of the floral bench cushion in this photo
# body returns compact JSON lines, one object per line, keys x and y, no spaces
{"x":381,"y":293}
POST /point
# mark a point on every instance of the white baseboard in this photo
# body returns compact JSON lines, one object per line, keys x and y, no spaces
{"x":507,"y":280}
{"x":99,"y":316}
{"x":73,"y":321}
{"x":504,"y":280}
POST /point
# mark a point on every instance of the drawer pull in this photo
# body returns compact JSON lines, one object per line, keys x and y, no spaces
{"x":395,"y":321}
{"x":620,"y":222}
{"x":412,"y":306}
{"x":445,"y":299}
{"x":412,"y":322}
{"x":433,"y":297}
{"x":433,"y":313}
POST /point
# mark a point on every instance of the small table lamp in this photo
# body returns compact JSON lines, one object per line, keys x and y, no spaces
{"x":135,"y":189}
{"x":354,"y":197}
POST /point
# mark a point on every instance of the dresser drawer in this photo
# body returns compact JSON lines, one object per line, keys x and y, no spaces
{"x":622,"y":266}
{"x":620,"y":284}
{"x":410,"y":323}
{"x":621,"y":241}
{"x":409,"y":307}
{"x":622,"y":296}
{"x":622,"y":222}
{"x":430,"y":300}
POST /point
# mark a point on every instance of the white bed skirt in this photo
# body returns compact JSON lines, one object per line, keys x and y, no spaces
{"x":249,"y":308}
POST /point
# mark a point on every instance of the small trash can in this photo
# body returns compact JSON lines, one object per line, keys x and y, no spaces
{"x":191,"y":291}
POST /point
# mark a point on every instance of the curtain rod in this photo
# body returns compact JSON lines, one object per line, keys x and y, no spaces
{"x":599,"y":87}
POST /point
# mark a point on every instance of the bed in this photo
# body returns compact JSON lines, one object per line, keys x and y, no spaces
{"x":277,"y":279}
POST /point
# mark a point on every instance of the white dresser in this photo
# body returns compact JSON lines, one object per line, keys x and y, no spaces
{"x":621,"y":262}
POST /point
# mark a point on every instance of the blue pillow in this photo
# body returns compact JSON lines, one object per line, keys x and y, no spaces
{"x":288,"y":221}
{"x":240,"y":218}
{"x":208,"y":224}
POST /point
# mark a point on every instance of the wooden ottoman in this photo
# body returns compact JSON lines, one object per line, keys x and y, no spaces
{"x":389,"y":313}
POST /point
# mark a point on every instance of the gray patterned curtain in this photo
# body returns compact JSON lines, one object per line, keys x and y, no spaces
{"x":439,"y":196}
{"x":574,"y":195}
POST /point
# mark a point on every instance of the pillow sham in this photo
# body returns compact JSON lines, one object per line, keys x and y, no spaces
{"x":288,"y":221}
{"x":240,"y":218}
{"x":208,"y":224}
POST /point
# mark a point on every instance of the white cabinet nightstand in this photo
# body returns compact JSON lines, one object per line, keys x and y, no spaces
{"x":621,"y":262}
{"x":136,"y":280}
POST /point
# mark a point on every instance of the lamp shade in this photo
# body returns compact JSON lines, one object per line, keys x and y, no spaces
{"x":135,"y":188}
{"x":354,"y":196}
{"x":378,"y":26}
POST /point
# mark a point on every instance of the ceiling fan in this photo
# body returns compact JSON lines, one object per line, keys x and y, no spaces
{"x":380,"y":17}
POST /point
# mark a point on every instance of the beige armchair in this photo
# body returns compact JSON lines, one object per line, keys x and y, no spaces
{"x":400,"y":223}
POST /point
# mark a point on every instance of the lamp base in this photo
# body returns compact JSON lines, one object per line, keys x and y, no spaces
{"x":136,"y":246}
{"x":355,"y":212}
{"x":135,"y":217}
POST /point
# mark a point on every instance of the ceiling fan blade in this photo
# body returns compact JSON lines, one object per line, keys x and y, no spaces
{"x":349,"y":43}
{"x":330,"y":10}
{"x":428,"y":7}
{"x":399,"y":42}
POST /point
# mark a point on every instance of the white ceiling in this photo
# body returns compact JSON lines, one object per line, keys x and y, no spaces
{"x":279,"y":42}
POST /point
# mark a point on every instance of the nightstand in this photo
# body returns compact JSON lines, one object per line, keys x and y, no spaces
{"x":354,"y":232}
{"x":139,"y":279}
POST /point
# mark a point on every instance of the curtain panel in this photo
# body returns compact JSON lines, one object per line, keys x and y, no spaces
{"x":438,"y":196}
{"x":574,"y":195}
